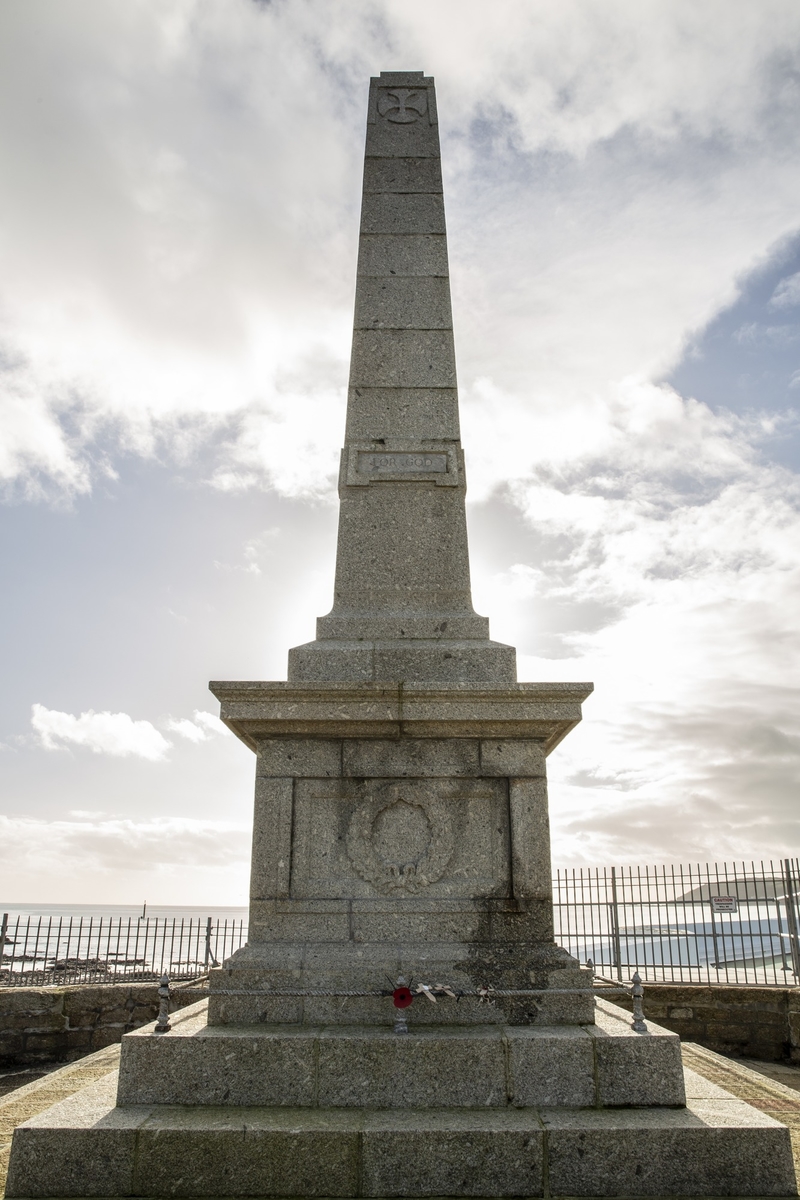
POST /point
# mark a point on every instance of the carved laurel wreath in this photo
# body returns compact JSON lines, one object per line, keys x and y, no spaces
{"x":407,"y":878}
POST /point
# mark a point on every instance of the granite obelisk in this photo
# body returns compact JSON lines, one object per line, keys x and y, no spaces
{"x":402,"y":601}
{"x":406,"y":829}
{"x":400,"y":828}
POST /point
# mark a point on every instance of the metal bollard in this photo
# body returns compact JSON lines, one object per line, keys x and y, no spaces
{"x":638,"y":1010}
{"x":162,"y":1024}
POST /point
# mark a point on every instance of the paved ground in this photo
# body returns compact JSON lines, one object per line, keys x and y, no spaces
{"x":40,"y":1093}
{"x":755,"y":1083}
{"x":771,"y":1087}
{"x":780,"y":1072}
{"x":10,"y":1080}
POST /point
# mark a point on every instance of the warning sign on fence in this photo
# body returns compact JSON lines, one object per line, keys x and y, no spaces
{"x":723,"y":904}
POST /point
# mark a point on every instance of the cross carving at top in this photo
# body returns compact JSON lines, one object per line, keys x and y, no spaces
{"x":402,"y":105}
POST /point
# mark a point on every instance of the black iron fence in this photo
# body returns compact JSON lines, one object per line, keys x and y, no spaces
{"x":42,"y":951}
{"x":722,"y":923}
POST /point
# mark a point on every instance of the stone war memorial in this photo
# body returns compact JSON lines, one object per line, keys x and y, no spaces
{"x":401,"y":852}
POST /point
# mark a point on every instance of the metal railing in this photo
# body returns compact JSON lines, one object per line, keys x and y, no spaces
{"x":47,"y":951}
{"x":719,"y":923}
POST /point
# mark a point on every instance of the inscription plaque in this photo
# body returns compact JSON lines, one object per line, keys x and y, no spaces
{"x":404,"y":462}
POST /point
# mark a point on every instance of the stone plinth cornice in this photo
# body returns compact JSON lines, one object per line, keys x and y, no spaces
{"x":544,"y":711}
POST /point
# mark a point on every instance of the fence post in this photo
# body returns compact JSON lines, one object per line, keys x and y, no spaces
{"x":3,"y":933}
{"x":615,"y":924}
{"x":791,"y":917}
{"x":209,"y":955}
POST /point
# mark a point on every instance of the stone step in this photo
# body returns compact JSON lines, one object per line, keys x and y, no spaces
{"x":85,"y":1146}
{"x":341,"y":1066}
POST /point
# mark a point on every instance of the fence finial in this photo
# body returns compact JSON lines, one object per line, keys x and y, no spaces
{"x":162,"y":1024}
{"x":638,"y":1010}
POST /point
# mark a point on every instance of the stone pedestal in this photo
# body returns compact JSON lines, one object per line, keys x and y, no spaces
{"x":400,"y":830}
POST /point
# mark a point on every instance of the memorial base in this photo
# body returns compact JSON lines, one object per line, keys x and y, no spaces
{"x":443,"y":1111}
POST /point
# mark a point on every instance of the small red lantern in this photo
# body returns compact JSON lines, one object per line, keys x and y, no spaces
{"x":402,"y":997}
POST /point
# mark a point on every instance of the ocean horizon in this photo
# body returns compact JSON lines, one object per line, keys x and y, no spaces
{"x":187,"y":912}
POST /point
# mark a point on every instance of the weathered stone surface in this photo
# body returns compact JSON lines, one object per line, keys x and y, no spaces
{"x":633,"y":1067}
{"x":239,"y":1068}
{"x":410,"y":757}
{"x":411,"y":254}
{"x":377,"y":661}
{"x":255,"y":1152}
{"x":551,"y":1065}
{"x":381,"y":709}
{"x":361,"y":837}
{"x":402,"y":358}
{"x":293,"y":925}
{"x":499,"y":954}
{"x":299,"y":758}
{"x":271,"y":859}
{"x":449,"y":1068}
{"x":403,"y":302}
{"x":421,"y":414}
{"x":519,"y":758}
{"x":530,"y":839}
{"x":710,"y":1148}
{"x":436,"y":1153}
{"x":402,"y":175}
{"x":419,"y":139}
{"x":713,"y":1147}
{"x":403,"y":212}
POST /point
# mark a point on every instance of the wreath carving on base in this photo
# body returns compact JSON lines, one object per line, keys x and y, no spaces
{"x":401,"y":841}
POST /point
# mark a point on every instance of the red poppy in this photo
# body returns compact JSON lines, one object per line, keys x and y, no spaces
{"x":402,"y":997}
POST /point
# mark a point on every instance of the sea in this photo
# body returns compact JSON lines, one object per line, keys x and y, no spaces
{"x":195,"y":912}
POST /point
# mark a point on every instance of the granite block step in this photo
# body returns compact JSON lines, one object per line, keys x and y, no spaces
{"x":340,"y":1066}
{"x":85,"y":1146}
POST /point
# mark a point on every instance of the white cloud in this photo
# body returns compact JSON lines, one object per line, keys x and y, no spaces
{"x":787,"y":293}
{"x":109,"y":844}
{"x":203,"y":726}
{"x":193,"y":284}
{"x":103,"y":733}
{"x":187,"y":729}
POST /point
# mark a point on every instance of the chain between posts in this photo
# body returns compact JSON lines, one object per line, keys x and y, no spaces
{"x":404,"y":993}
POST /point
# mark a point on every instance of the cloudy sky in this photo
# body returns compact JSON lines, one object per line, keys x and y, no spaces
{"x":178,"y":234}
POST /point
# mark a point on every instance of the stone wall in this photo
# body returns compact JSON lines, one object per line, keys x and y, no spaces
{"x":64,"y":1023}
{"x":751,"y":1022}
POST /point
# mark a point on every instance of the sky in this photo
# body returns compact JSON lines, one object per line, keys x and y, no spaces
{"x":178,"y":237}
